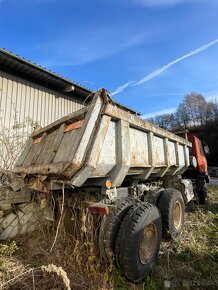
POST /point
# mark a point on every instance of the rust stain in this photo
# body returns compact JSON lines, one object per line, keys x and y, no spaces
{"x":38,"y":128}
{"x":74,"y":125}
{"x":72,"y":169}
{"x":37,"y":140}
{"x":57,"y":168}
{"x":118,"y":113}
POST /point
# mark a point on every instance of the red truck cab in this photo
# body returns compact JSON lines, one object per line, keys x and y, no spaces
{"x":198,"y":170}
{"x":198,"y":151}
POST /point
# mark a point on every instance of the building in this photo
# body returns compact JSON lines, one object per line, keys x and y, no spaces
{"x":31,"y":91}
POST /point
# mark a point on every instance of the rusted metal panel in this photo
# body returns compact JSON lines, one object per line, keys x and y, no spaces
{"x":90,"y":123}
{"x":172,"y":153}
{"x":149,"y":169}
{"x":138,"y":147}
{"x":99,"y":142}
{"x":37,"y":140}
{"x":65,"y":120}
{"x":164,"y":170}
{"x":73,"y":126}
{"x":58,"y":138}
{"x":57,"y":168}
{"x":69,"y":138}
{"x":71,"y":148}
{"x":118,"y":174}
{"x":54,"y":144}
{"x":107,"y":161}
{"x":176,"y":167}
{"x":38,"y":148}
{"x":158,"y":144}
{"x":115,"y":112}
{"x":24,"y":153}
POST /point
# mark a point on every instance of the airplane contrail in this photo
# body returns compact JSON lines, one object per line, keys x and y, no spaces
{"x":162,"y":69}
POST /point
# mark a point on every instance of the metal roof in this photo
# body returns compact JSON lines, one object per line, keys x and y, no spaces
{"x":19,"y":66}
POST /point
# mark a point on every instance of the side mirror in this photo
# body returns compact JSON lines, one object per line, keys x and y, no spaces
{"x":206,"y":150}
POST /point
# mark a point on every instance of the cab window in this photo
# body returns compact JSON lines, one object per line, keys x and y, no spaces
{"x":200,"y":148}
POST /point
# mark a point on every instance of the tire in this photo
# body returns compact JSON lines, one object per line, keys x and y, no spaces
{"x":172,"y":208}
{"x":130,"y":250}
{"x":154,"y":195}
{"x":110,"y":225}
{"x":202,"y":193}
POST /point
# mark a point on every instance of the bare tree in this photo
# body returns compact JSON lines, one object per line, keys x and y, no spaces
{"x":212,"y":111}
{"x":193,"y":111}
{"x":182,"y":116}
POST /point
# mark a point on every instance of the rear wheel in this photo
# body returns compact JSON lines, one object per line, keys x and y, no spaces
{"x":138,"y":241}
{"x":172,"y":208}
{"x":154,"y":195}
{"x":110,"y":225}
{"x":201,"y":189}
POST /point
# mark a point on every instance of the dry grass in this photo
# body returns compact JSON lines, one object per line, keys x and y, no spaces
{"x":187,"y":263}
{"x":191,"y":261}
{"x":79,"y":258}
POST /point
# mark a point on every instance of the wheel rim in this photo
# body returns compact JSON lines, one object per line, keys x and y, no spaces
{"x":148,"y":243}
{"x":177,"y":215}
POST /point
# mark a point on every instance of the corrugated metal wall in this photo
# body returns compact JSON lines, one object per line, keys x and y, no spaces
{"x":22,"y":102}
{"x":20,"y":99}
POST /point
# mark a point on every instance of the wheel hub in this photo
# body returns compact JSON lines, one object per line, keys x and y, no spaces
{"x":177,"y":215}
{"x":148,"y":243}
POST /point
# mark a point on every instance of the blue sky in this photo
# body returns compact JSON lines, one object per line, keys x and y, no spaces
{"x":107,"y":43}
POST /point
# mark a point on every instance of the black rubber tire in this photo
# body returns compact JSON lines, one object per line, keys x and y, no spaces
{"x":168,"y":201}
{"x":131,"y":232}
{"x":110,"y":225}
{"x":202,"y":192}
{"x":154,"y":195}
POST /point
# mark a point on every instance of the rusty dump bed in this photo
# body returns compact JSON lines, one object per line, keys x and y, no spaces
{"x":99,"y":142}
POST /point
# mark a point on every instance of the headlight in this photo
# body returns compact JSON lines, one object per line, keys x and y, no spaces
{"x":193,"y":161}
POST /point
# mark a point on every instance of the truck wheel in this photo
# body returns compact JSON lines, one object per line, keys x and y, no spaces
{"x":201,"y":189}
{"x":138,"y":241}
{"x":172,"y":208}
{"x":110,"y":225}
{"x":154,"y":195}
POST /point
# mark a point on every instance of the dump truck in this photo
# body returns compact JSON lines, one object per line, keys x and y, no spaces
{"x":126,"y":170}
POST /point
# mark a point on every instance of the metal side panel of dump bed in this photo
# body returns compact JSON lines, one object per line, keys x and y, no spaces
{"x":101,"y":141}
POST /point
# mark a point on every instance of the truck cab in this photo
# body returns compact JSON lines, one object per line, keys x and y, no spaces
{"x":198,"y":151}
{"x":198,"y":169}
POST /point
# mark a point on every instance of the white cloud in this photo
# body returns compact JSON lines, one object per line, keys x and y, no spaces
{"x":122,"y":88}
{"x":158,"y":2}
{"x":80,"y":46}
{"x":163,"y":68}
{"x":162,"y":3}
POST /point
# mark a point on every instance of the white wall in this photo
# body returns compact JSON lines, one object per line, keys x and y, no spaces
{"x":20,"y":99}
